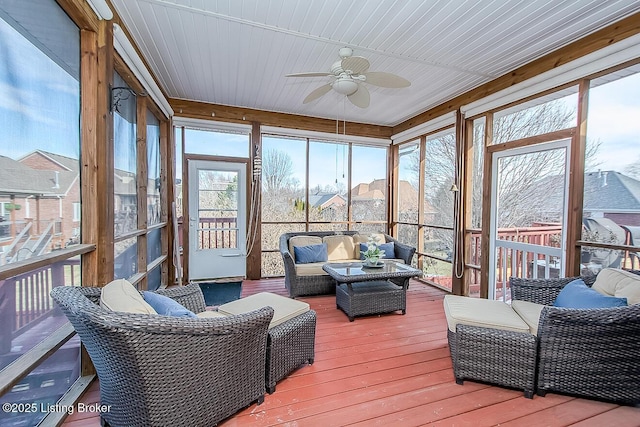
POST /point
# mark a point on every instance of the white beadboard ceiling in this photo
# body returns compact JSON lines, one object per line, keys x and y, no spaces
{"x":237,"y":52}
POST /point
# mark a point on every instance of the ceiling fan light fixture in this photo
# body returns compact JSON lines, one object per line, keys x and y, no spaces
{"x":345,"y":86}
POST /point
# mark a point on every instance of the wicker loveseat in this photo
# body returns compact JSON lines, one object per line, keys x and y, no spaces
{"x":587,"y":352}
{"x":159,"y":370}
{"x":310,"y":279}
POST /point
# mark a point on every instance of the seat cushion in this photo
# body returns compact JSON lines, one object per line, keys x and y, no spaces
{"x":618,"y":283}
{"x":166,"y":306}
{"x":120,"y":295}
{"x":284,"y":308}
{"x":577,"y":294}
{"x":483,"y":313}
{"x":339,"y":246}
{"x":529,"y":312}
{"x":209,"y":314}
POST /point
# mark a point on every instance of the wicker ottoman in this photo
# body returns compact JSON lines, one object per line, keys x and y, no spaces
{"x":375,"y":297}
{"x":489,"y":342}
{"x":292,"y":333}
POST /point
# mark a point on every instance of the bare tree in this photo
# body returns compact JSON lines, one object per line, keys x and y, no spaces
{"x":633,"y":169}
{"x":523,"y":181}
{"x":277,"y":171}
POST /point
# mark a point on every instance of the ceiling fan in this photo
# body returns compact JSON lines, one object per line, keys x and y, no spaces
{"x":349,"y":73}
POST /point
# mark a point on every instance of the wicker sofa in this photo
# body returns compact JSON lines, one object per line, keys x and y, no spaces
{"x":158,"y":370}
{"x":586,"y":352}
{"x":310,"y":279}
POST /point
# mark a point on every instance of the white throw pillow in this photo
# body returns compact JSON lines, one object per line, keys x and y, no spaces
{"x":120,"y":295}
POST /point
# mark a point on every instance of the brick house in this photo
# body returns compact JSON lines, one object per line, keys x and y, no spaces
{"x":39,"y":204}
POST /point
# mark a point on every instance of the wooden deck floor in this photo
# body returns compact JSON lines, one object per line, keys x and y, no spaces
{"x":395,"y":370}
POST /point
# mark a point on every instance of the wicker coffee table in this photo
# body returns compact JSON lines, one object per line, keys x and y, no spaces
{"x":362,"y":291}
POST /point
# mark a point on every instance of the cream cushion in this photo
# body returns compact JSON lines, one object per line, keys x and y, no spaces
{"x":483,"y":313}
{"x":284,"y":308}
{"x":339,"y":247}
{"x":529,"y":312}
{"x":310,"y":269}
{"x":618,"y":283}
{"x":209,"y":314}
{"x":120,"y":295}
{"x":302,"y":241}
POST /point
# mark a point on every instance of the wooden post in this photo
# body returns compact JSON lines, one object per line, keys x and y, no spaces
{"x":576,"y":182}
{"x":254,"y":187}
{"x":486,"y":208}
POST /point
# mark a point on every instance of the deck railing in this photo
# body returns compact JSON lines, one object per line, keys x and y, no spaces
{"x":25,"y":300}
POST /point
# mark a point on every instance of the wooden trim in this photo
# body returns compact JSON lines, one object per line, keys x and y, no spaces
{"x":422,"y":162}
{"x":130,"y":235}
{"x":153,"y":264}
{"x":533,"y":140}
{"x":254,"y":257}
{"x":486,"y":207}
{"x":185,"y":208}
{"x":104,"y":210}
{"x":607,"y":246}
{"x":20,"y":267}
{"x":90,"y":119}
{"x":469,"y":162}
{"x":22,"y":366}
{"x":81,"y":13}
{"x":225,"y":113}
{"x":142,"y":181}
{"x":602,"y":38}
{"x":458,"y":206}
{"x":576,"y":182}
{"x":349,"y":186}
{"x":69,"y":399}
{"x":394,"y":185}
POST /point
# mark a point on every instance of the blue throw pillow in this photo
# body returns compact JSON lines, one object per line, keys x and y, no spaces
{"x":577,"y":294}
{"x":311,"y":253}
{"x":166,"y":306}
{"x":388,"y":248}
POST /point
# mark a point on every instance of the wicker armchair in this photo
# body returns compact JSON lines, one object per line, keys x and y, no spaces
{"x":299,"y":285}
{"x":587,"y":352}
{"x":158,"y":370}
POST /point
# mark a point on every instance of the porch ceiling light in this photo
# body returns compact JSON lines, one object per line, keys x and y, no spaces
{"x":345,"y":86}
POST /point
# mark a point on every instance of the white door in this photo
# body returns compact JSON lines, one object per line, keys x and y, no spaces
{"x":217,"y":219}
{"x":528,"y":214}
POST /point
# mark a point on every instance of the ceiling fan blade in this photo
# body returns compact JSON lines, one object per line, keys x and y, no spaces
{"x":356,"y":64}
{"x":382,"y":79}
{"x":361,"y":97}
{"x":317,"y":93}
{"x":308,"y":75}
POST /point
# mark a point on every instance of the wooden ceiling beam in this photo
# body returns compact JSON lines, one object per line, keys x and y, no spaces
{"x":226,"y":113}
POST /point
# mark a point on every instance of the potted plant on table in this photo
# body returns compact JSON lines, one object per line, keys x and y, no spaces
{"x":373,"y":253}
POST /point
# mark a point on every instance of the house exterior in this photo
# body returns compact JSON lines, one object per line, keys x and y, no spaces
{"x":40,"y":197}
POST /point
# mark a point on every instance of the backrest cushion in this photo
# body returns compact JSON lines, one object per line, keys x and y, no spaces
{"x":388,"y":248}
{"x":339,"y":247}
{"x":166,"y":306}
{"x":577,"y":294}
{"x":310,"y":253}
{"x":303,"y":241}
{"x":120,"y":295}
{"x":619,"y":283}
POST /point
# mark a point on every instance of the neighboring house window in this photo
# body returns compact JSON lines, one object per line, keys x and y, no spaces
{"x":76,"y":211}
